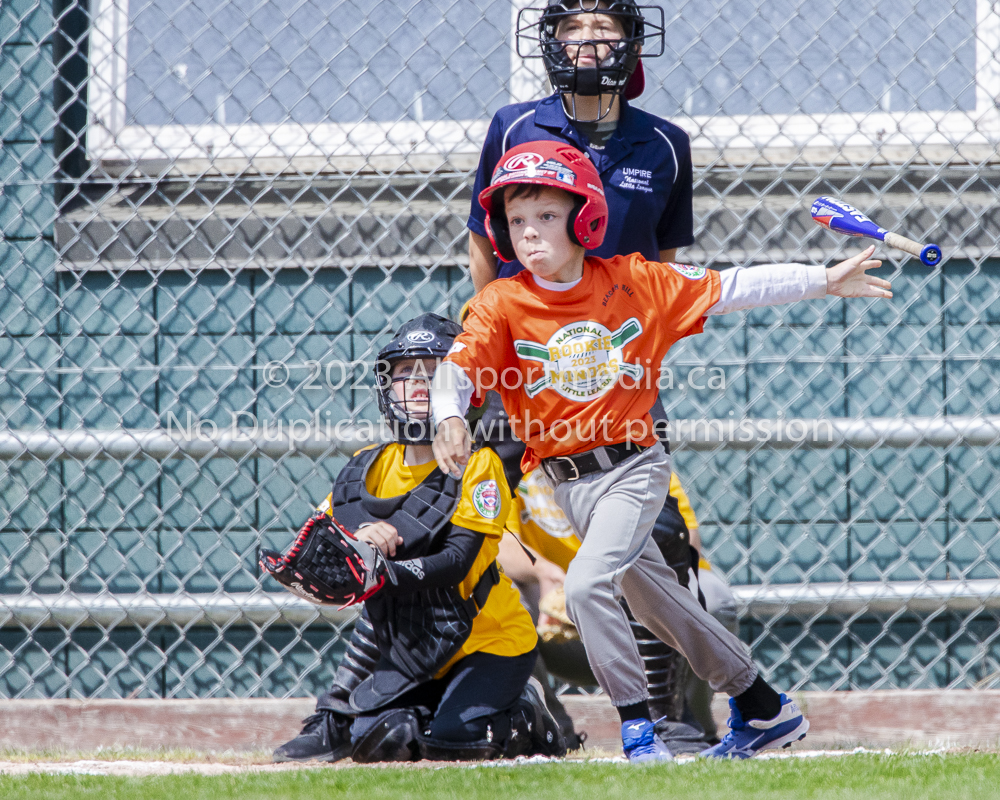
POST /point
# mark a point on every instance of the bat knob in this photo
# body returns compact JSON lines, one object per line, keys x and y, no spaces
{"x":931,"y":255}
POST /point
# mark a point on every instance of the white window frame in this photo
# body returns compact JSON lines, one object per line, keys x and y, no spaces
{"x":936,"y":136}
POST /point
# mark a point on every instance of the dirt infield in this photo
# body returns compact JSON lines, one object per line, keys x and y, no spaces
{"x":920,"y":720}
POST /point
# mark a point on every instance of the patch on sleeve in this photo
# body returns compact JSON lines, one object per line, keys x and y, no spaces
{"x":689,"y":272}
{"x":486,"y":499}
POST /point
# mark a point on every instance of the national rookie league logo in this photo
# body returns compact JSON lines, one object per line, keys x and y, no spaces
{"x":582,"y":360}
{"x":689,"y":272}
{"x":486,"y":499}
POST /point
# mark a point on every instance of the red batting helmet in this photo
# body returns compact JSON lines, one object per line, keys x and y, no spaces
{"x":555,"y":164}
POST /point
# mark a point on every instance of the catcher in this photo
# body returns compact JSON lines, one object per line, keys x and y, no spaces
{"x":439,"y":663}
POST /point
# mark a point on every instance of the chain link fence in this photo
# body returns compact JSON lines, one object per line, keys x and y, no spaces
{"x":214,"y":212}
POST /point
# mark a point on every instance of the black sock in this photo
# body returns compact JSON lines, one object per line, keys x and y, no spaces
{"x":760,"y":701}
{"x":634,"y":711}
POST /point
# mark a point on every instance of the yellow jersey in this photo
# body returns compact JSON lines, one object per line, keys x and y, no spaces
{"x":503,"y":627}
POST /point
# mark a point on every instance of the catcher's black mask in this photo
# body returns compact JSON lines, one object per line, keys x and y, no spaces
{"x":428,"y":336}
{"x":612,"y":76}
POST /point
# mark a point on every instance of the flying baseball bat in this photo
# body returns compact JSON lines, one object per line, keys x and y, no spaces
{"x":844,"y":218}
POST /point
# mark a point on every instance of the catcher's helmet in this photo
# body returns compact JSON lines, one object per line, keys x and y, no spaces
{"x":619,"y":73}
{"x":555,"y":164}
{"x":426,"y":336}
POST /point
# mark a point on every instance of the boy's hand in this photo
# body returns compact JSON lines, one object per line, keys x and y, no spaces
{"x":452,"y":446}
{"x":849,"y":278}
{"x":381,"y":535}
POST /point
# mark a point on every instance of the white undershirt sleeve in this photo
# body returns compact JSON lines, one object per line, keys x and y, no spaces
{"x":768,"y":285}
{"x":451,"y":392}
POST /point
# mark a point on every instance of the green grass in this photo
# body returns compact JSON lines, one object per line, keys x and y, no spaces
{"x":865,"y":777}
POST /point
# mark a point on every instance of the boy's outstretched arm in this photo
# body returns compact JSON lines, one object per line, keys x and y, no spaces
{"x":850,"y":279}
{"x":452,"y":446}
{"x":775,"y":284}
{"x":477,"y":352}
{"x":451,"y":392}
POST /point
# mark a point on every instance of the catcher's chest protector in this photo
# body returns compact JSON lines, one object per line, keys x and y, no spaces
{"x":416,"y":634}
{"x":419,"y":515}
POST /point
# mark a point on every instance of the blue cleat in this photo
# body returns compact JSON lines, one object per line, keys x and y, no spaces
{"x":746,"y":739}
{"x":640,"y":742}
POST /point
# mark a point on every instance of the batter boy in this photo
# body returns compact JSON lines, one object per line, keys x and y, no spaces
{"x":577,"y":344}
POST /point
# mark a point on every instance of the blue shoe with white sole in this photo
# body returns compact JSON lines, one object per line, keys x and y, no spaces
{"x":746,"y":739}
{"x":640,"y":742}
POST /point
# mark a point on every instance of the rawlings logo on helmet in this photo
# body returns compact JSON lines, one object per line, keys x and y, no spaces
{"x":420,"y":337}
{"x":551,"y":168}
{"x":522,"y":161}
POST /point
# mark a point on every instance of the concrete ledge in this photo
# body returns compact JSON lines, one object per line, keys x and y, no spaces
{"x":924,"y":719}
{"x":250,"y":724}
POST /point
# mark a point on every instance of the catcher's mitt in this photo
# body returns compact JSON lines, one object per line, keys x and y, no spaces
{"x":326,"y":564}
{"x":563,"y":629}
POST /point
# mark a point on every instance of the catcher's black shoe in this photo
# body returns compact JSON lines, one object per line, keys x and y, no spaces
{"x":326,"y":736}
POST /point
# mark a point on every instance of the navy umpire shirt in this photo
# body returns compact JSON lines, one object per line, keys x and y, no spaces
{"x":645,"y":167}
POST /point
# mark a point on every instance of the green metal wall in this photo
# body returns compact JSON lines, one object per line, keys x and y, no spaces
{"x":182,"y":525}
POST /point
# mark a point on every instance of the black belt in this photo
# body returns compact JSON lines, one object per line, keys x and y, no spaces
{"x":570,"y":468}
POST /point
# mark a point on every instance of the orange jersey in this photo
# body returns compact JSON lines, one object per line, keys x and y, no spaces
{"x":580,"y":368}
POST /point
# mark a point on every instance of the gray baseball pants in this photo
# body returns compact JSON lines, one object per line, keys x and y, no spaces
{"x":613,"y":513}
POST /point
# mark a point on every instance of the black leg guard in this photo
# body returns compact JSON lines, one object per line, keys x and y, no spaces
{"x":533,"y":730}
{"x":667,"y":671}
{"x":326,"y":735}
{"x":671,"y":536}
{"x":528,"y":729}
{"x":357,"y":664}
{"x":574,"y":740}
{"x":667,"y":674}
{"x":391,"y":736}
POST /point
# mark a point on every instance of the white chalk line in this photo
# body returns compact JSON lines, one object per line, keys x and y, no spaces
{"x":158,"y":768}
